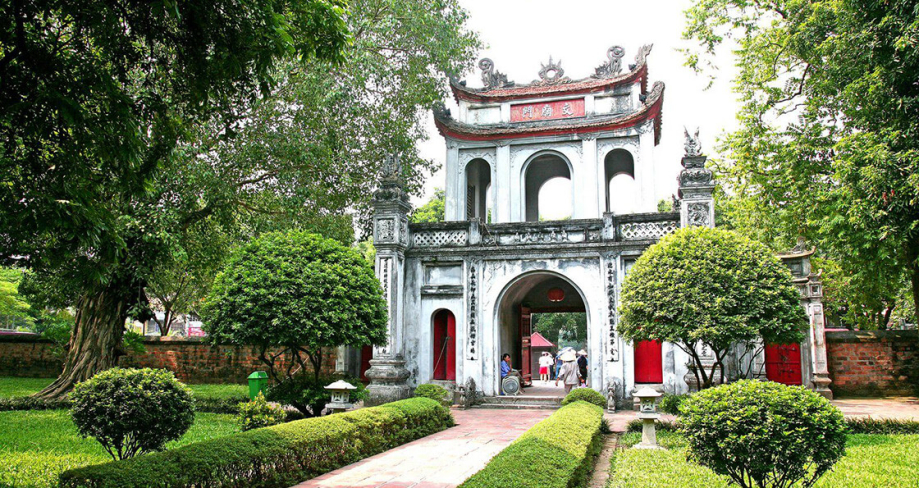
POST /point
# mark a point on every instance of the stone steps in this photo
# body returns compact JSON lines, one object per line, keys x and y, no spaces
{"x":521,"y":402}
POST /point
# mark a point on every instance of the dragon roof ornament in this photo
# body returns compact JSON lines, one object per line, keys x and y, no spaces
{"x":492,"y":79}
{"x":551,"y":74}
{"x":613,"y":64}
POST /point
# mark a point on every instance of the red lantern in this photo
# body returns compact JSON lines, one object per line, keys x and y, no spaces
{"x":556,"y":294}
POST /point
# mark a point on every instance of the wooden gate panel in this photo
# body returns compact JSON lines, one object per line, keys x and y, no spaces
{"x":649,"y":362}
{"x":783,"y":363}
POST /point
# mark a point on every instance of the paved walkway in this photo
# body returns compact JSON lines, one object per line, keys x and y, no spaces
{"x":441,"y":460}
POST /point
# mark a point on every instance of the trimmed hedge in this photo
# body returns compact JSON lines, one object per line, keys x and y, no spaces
{"x":202,"y":405}
{"x":277,"y":456}
{"x":588,"y":395}
{"x":557,"y":452}
{"x":882,"y":426}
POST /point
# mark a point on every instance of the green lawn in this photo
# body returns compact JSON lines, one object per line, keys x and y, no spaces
{"x":14,"y":387}
{"x":36,"y":446}
{"x":871,"y":460}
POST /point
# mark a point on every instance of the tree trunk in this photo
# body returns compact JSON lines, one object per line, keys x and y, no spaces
{"x":95,"y":343}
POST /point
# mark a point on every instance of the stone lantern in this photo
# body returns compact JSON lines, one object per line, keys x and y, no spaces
{"x":648,"y":414}
{"x":341,"y":396}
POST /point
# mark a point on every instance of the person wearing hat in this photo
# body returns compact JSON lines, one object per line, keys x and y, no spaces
{"x":582,"y":366}
{"x":569,"y":373}
{"x":545,"y":362}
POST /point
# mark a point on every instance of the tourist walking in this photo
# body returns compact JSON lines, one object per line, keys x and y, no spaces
{"x":545,"y":362}
{"x":582,"y":366}
{"x":569,"y":373}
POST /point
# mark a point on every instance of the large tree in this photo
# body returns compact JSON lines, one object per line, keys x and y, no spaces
{"x":828,"y":143}
{"x":300,"y":153}
{"x":96,"y":99}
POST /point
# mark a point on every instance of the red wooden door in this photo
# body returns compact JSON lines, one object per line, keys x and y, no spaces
{"x":649,"y":362}
{"x":525,"y":367}
{"x":783,"y":363}
{"x":444,"y":346}
{"x":366,"y":356}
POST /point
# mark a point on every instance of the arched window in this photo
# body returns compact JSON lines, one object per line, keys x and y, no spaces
{"x":478,"y":184}
{"x":621,"y":191}
{"x":547,"y":189}
{"x":444,"y":345}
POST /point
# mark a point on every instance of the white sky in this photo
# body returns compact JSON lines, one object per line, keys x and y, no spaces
{"x":520,"y":34}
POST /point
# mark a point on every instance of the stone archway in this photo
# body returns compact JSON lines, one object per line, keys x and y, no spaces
{"x":536,"y":292}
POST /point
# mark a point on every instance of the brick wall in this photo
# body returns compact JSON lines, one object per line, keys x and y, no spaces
{"x":871,"y":363}
{"x":191,"y":359}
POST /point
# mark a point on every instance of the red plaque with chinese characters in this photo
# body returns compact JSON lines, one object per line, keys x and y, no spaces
{"x":560,"y":109}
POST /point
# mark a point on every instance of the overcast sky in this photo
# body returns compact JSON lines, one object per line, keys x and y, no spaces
{"x":520,"y":34}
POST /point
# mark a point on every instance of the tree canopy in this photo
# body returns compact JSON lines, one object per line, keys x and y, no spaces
{"x":828,"y":143}
{"x":701,"y":287}
{"x":433,"y":211}
{"x":293,"y":294}
{"x":255,"y":117}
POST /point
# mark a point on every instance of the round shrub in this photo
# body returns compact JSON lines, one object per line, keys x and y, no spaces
{"x":259,"y":413}
{"x":763,"y":434}
{"x":711,"y":287}
{"x":434,"y":392}
{"x":588,"y":395}
{"x":132,"y":411}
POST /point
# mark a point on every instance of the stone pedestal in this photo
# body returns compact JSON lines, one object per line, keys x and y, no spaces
{"x":388,"y":381}
{"x":648,"y":431}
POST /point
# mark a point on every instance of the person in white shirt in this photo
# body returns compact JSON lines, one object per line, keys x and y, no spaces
{"x":545,"y":362}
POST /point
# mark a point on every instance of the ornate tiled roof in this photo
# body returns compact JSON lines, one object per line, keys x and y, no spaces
{"x":552,"y":81}
{"x":649,"y":110}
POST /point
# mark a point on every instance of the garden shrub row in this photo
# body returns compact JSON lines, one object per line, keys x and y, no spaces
{"x":204,"y":405}
{"x":557,"y":452}
{"x":277,"y":456}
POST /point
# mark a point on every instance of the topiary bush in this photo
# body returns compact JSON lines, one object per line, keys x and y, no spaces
{"x":671,"y":403}
{"x":259,"y":413}
{"x":435,"y":392}
{"x":588,"y":395}
{"x":555,"y":453}
{"x":273,"y":457}
{"x":763,"y":434}
{"x":132,"y":411}
{"x":711,"y":287}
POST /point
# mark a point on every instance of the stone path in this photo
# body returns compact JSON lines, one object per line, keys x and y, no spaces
{"x":906,"y":408}
{"x":441,"y":460}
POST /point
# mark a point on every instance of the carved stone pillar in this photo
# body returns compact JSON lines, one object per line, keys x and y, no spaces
{"x":387,"y":373}
{"x":697,"y":184}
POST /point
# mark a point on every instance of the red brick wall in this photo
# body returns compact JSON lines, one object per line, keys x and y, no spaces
{"x":192,"y":360}
{"x":871,"y":362}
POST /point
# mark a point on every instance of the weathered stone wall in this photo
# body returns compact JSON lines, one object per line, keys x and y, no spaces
{"x":871,"y":363}
{"x":191,"y":359}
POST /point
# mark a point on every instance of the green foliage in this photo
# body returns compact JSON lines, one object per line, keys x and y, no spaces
{"x":132,"y":411}
{"x":635,"y":425}
{"x":671,"y":403}
{"x":827,"y":141}
{"x":433,"y":211}
{"x":14,"y":310}
{"x":259,"y":413}
{"x":435,"y":392}
{"x":299,"y":293}
{"x":37,"y":447}
{"x":710,"y":287}
{"x":870,"y":460}
{"x":867,"y":425}
{"x":277,"y":456}
{"x":588,"y":395}
{"x":562,"y":328}
{"x":764,"y":434}
{"x":308,"y":394}
{"x":557,"y":452}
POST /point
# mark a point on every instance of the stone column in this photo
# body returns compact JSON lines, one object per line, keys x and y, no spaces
{"x":503,"y":203}
{"x":387,"y":373}
{"x":697,"y":183}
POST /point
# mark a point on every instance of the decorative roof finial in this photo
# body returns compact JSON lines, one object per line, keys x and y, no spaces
{"x":692,"y":145}
{"x":492,"y":79}
{"x":641,"y":56}
{"x":551,"y":74}
{"x":613,"y":65}
{"x":392,"y":167}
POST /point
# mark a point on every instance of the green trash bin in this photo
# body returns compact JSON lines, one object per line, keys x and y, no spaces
{"x":258,"y":382}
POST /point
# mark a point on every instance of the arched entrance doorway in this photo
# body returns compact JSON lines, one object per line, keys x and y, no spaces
{"x":553,"y":169}
{"x":520,"y":306}
{"x":444,"y":345}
